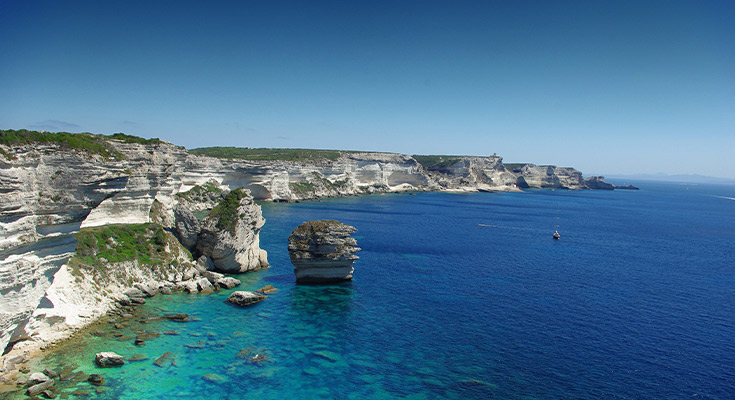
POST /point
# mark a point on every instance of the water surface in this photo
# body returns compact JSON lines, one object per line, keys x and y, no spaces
{"x":467,"y":296}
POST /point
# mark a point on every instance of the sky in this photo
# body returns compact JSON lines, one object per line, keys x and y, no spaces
{"x":608,"y":87}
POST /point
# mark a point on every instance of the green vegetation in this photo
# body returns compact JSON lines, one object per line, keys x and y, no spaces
{"x":436,"y":162}
{"x":93,"y":144}
{"x":133,"y":139}
{"x":226,"y":211}
{"x":156,"y":214}
{"x":314,"y":226}
{"x":238,"y":153}
{"x":116,"y":243}
{"x":7,"y":156}
{"x":200,"y":192}
{"x":302,"y":188}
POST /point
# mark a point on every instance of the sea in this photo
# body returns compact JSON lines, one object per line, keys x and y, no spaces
{"x":459,"y":296}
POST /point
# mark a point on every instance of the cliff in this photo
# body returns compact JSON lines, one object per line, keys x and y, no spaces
{"x":54,"y":185}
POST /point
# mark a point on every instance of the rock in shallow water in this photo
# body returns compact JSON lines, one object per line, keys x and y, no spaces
{"x":322,"y":251}
{"x":108,"y":359}
{"x":40,"y":387}
{"x":243,"y":298}
{"x":37,"y":378}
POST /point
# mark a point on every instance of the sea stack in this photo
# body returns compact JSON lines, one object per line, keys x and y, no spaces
{"x":322,"y":251}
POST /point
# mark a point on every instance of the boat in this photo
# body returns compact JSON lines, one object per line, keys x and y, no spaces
{"x":556,"y":234}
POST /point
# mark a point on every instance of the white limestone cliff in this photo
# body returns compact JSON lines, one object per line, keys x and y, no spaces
{"x":48,"y":192}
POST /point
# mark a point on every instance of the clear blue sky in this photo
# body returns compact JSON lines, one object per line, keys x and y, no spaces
{"x":604,"y":86}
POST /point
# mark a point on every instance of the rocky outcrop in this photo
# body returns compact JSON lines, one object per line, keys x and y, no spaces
{"x":598,"y":183}
{"x":50,"y":192}
{"x":108,"y":359}
{"x":547,"y":177}
{"x":244,"y":298}
{"x":323,"y":251}
{"x":230,"y":234}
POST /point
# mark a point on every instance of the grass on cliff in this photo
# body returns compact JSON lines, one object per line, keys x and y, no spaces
{"x":122,"y":137}
{"x":146,"y":243}
{"x":226,"y":212}
{"x":239,"y":153}
{"x":198,"y":192}
{"x":94,"y":144}
{"x":436,"y":162}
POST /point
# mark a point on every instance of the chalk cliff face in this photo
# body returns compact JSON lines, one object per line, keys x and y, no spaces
{"x":49,"y":192}
{"x":548,"y":177}
{"x":473,"y":173}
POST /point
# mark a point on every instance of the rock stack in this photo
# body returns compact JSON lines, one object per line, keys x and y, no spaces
{"x":322,"y":251}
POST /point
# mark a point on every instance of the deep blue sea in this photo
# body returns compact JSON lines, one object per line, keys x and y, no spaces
{"x":467,"y":296}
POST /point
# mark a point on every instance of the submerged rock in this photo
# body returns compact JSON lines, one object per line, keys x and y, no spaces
{"x":161,"y":360}
{"x":268,"y":289}
{"x":322,"y":251}
{"x":138,"y":357}
{"x":243,"y":298}
{"x":108,"y":359}
{"x":177,"y":317}
{"x":214,"y":378}
{"x":96,"y":379}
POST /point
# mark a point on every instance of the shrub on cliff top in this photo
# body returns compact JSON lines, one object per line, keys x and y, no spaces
{"x":95,"y":144}
{"x":226,"y":212}
{"x":436,"y":162}
{"x":133,"y":139}
{"x":238,"y":153}
{"x":88,"y":142}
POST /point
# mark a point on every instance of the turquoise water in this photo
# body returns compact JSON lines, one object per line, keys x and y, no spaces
{"x":465,"y":296}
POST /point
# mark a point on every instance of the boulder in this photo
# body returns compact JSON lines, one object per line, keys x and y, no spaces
{"x":39,"y":388}
{"x":244,"y":298}
{"x":190,"y":286}
{"x":205,"y":286}
{"x":228,"y":282}
{"x":108,"y":359}
{"x":37,"y":378}
{"x":50,"y":373}
{"x":189,"y":274}
{"x":213,"y":277}
{"x":322,"y":251}
{"x":134,"y":293}
{"x":148,"y":289}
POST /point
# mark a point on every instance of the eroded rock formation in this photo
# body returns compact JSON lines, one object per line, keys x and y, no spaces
{"x":323,"y":251}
